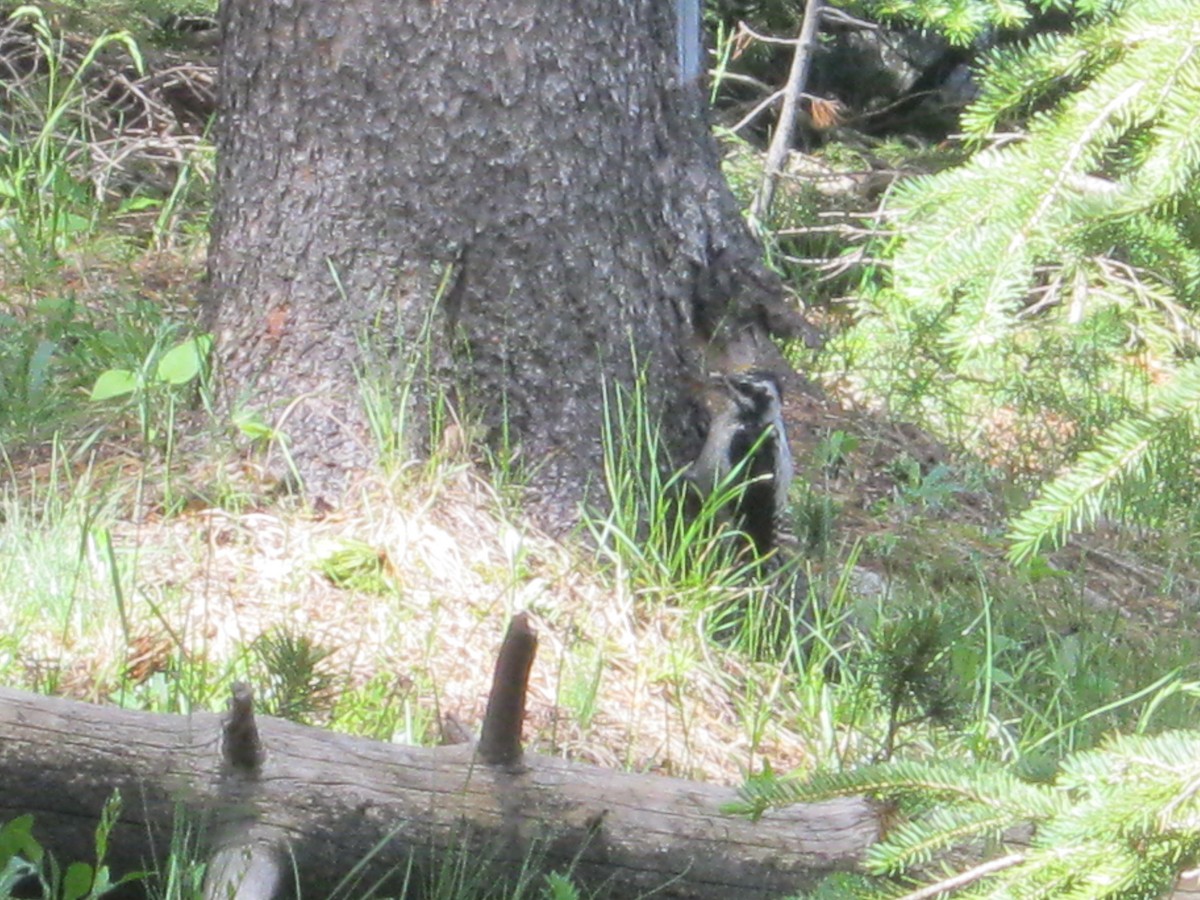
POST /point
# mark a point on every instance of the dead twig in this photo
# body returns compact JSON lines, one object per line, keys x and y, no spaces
{"x":760,"y":209}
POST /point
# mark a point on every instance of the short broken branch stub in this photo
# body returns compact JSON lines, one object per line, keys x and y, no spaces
{"x":500,"y":741}
{"x":240,"y":744}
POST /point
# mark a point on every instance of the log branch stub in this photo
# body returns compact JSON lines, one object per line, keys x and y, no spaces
{"x":500,"y":741}
{"x":240,"y":744}
{"x":247,"y":858}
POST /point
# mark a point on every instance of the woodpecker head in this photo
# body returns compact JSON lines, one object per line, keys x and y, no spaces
{"x":757,"y":394}
{"x":747,"y":431}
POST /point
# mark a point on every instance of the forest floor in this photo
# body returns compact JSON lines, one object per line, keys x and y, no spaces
{"x":154,"y":582}
{"x":140,"y":571}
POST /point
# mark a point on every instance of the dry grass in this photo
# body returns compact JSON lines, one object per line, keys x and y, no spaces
{"x":206,"y":583}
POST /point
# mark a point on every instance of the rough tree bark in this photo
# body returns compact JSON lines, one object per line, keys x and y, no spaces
{"x":540,"y":159}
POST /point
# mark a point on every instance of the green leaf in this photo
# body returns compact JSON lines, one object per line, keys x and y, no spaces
{"x":136,"y":204}
{"x":55,"y":307}
{"x":39,"y":366}
{"x":16,"y":838}
{"x":73,"y":223}
{"x":77,"y":882}
{"x":102,"y":883}
{"x":184,"y":361}
{"x":559,"y":887}
{"x":250,"y":423}
{"x":114,"y":383}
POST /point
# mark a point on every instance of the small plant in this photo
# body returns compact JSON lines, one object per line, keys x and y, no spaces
{"x":175,"y":212}
{"x":560,"y":887}
{"x":930,"y":491}
{"x":408,"y":405}
{"x":46,"y":200}
{"x":181,"y":875}
{"x":815,"y":513}
{"x":769,"y":619}
{"x":358,"y":566}
{"x":385,"y":709}
{"x":30,"y":376}
{"x":834,"y":451}
{"x":581,"y":689}
{"x":295,"y":682}
{"x":23,"y":860}
{"x":153,"y":386}
{"x":912,"y":664}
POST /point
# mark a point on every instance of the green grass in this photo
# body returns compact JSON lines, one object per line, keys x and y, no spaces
{"x":643,"y":530}
{"x":49,"y":200}
{"x":144,"y":19}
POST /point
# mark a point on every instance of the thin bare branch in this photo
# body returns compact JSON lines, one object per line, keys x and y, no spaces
{"x":754,"y":113}
{"x":746,"y":33}
{"x":760,"y":209}
{"x":739,"y":78}
{"x":833,"y":14}
{"x":962,"y":879}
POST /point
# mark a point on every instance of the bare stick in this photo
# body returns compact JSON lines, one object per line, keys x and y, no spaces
{"x":782,"y":138}
{"x":754,"y":113}
{"x":962,"y":879}
{"x":500,"y":742}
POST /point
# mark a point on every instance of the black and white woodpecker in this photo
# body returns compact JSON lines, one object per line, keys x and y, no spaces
{"x":747,"y":429}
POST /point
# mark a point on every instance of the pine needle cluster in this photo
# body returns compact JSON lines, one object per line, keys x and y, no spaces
{"x":1037,"y":216}
{"x":1119,"y":821}
{"x":1060,"y":266}
{"x":959,"y":21}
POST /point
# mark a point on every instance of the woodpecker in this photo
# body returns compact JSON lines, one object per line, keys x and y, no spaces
{"x":747,"y":426}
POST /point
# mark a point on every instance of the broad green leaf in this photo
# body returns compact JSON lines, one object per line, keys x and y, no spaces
{"x":77,"y":882}
{"x":16,"y":837}
{"x":102,"y":883}
{"x":114,"y":383}
{"x":183,"y":362}
{"x":55,"y":307}
{"x":73,"y":223}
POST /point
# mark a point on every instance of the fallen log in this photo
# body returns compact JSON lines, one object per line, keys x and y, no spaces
{"x":286,"y":807}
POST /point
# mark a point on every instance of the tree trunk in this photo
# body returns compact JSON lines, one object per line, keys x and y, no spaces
{"x":515,"y":199}
{"x":317,"y":804}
